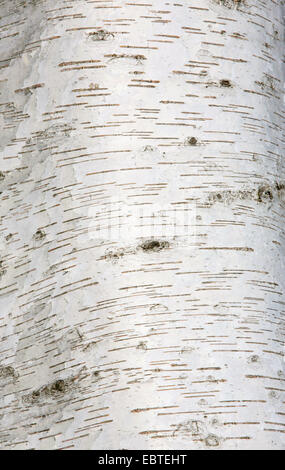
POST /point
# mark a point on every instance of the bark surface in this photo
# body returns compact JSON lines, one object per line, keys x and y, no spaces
{"x":142,"y":224}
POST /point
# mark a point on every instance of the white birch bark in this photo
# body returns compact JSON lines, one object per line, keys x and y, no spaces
{"x":127,"y":108}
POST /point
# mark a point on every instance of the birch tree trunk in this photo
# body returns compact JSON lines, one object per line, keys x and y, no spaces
{"x":142,"y":225}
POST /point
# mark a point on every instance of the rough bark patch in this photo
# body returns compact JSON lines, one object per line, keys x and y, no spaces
{"x":54,"y":390}
{"x":154,"y":245}
{"x":39,"y":235}
{"x":225,"y":83}
{"x":263,"y":194}
{"x":191,"y":141}
{"x":2,"y":269}
{"x":101,"y":35}
{"x":230,"y":3}
{"x":7,"y":372}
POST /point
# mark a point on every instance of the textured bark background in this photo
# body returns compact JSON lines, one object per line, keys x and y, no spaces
{"x":109,"y":111}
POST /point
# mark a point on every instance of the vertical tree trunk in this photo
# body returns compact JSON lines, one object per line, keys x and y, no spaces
{"x":142,"y":225}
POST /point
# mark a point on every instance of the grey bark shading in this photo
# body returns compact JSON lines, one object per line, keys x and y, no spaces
{"x":142,"y":225}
